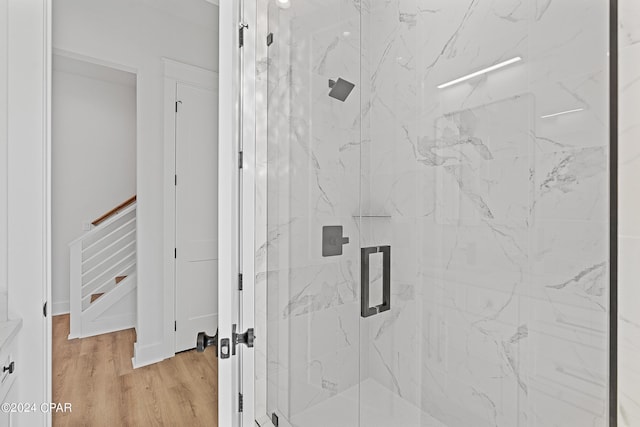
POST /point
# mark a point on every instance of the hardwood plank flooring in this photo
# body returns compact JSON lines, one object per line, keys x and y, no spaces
{"x":95,"y":375}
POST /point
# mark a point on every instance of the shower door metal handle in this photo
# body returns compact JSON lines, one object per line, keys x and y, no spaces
{"x":365,"y":309}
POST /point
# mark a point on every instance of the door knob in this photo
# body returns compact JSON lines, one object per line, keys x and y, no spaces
{"x":205,"y":341}
{"x":247,"y":338}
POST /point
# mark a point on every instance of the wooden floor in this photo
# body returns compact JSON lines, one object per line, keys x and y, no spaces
{"x":95,"y":375}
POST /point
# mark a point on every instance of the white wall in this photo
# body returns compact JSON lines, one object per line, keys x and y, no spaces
{"x":138,"y":34}
{"x":93,"y":154}
{"x":629,"y":217}
{"x":3,"y":160}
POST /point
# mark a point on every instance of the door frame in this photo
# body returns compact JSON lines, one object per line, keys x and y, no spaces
{"x":248,"y":112}
{"x":228,"y":208}
{"x":236,"y":198}
{"x":28,"y":191}
{"x":175,"y":72}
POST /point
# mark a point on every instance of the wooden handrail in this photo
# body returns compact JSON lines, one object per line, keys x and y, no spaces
{"x":113,"y":211}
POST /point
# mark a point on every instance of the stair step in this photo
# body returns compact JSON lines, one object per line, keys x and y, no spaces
{"x":96,"y":296}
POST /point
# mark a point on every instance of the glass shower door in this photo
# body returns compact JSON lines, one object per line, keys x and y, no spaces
{"x":437,"y":213}
{"x":313,"y":185}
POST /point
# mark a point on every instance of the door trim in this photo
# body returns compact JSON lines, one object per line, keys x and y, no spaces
{"x":248,"y":205}
{"x":28,"y":194}
{"x":174,"y":72}
{"x":48,"y":94}
{"x":614,"y":405}
{"x":228,"y":207}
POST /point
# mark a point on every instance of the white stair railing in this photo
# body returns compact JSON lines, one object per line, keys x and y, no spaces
{"x":101,"y":261}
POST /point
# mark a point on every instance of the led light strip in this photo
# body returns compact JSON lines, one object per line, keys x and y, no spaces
{"x":483,"y":71}
{"x":561,"y":113}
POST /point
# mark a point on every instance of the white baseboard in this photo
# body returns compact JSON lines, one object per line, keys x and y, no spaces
{"x":108,"y":325}
{"x":148,"y":354}
{"x":58,"y":308}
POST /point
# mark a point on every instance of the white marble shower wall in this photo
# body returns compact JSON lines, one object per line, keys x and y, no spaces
{"x":629,"y":214}
{"x":313,"y":172}
{"x":496,"y":216}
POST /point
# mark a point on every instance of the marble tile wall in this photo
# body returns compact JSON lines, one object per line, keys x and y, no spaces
{"x":496,"y":216}
{"x":629,"y":219}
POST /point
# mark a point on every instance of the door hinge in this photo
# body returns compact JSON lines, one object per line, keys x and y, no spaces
{"x":274,"y":419}
{"x":269,"y":39}
{"x":243,"y":27}
{"x":175,"y":180}
{"x":175,"y":325}
{"x":175,"y":253}
{"x":44,"y":309}
{"x":240,"y":402}
{"x":241,"y":155}
{"x":240,"y":281}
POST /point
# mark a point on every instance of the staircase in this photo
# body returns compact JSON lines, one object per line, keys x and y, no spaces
{"x":103,"y":274}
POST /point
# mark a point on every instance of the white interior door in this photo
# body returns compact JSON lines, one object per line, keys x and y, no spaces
{"x":196,"y":296}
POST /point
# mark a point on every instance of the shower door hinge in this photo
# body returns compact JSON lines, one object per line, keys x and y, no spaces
{"x":269,"y":39}
{"x":240,"y":402}
{"x":243,"y":27}
{"x":44,"y":309}
{"x":240,"y":156}
{"x":240,"y":281}
{"x":175,"y":325}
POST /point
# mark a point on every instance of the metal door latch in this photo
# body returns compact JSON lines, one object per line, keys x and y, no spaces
{"x":222,"y":346}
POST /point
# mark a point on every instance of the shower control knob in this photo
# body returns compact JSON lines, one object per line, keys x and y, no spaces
{"x":205,"y":341}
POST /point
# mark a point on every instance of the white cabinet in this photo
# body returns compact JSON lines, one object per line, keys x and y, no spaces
{"x":9,"y":368}
{"x":7,"y":419}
